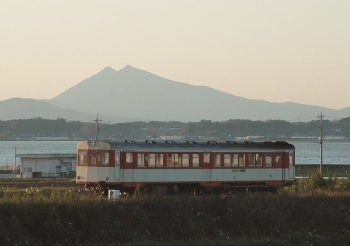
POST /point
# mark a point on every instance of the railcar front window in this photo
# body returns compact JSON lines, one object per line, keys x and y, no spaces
{"x":92,"y":158}
{"x":103,"y":158}
{"x":82,"y":158}
{"x":195,"y":160}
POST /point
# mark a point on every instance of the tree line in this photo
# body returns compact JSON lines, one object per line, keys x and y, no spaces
{"x":23,"y":129}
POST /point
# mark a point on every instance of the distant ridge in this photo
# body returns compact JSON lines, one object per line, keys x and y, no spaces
{"x":24,"y":108}
{"x":132,"y":94}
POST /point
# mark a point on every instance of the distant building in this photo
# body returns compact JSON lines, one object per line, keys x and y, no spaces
{"x":47,"y":165}
{"x":50,"y":138}
{"x":170,"y":137}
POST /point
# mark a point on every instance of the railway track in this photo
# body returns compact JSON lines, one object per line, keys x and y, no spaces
{"x":25,"y":183}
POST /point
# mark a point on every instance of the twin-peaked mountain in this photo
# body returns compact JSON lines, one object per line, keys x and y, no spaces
{"x":133,"y":94}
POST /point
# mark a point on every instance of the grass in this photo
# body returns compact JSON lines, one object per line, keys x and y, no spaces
{"x":312,"y":212}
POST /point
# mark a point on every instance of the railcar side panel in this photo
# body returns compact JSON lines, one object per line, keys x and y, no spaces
{"x":128,"y":164}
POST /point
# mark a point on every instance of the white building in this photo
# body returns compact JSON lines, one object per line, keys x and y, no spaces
{"x":47,"y":165}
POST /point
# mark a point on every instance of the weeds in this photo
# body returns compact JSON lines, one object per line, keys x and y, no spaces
{"x":67,"y":216}
{"x":316,"y":181}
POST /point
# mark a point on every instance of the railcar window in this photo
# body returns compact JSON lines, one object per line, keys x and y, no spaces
{"x":82,"y":158}
{"x":140,"y":160}
{"x":217,"y":160}
{"x":177,"y":160}
{"x":291,"y":159}
{"x":103,"y":158}
{"x":128,"y":157}
{"x":159,"y":160}
{"x":195,"y":160}
{"x":251,"y":160}
{"x":278,"y":158}
{"x":227,"y":160}
{"x":151,"y":160}
{"x":92,"y":158}
{"x":258,"y":160}
{"x":235,"y":160}
{"x":206,"y":157}
{"x":117,"y":159}
{"x":241,"y":160}
{"x":185,"y":160}
{"x":268,"y":160}
{"x":170,"y":160}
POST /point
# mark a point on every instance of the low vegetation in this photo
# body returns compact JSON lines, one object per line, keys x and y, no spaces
{"x":313,"y":212}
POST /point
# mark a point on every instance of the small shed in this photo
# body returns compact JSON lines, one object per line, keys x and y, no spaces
{"x":47,"y":165}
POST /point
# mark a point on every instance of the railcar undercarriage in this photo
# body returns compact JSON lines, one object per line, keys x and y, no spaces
{"x":192,"y":189}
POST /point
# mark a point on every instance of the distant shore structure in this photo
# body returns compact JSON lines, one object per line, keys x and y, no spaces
{"x":317,"y":138}
{"x":50,"y":138}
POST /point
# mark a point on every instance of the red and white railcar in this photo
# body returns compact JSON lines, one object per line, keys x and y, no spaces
{"x":181,"y":166}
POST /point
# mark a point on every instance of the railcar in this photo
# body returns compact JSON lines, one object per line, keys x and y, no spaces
{"x":168,"y":166}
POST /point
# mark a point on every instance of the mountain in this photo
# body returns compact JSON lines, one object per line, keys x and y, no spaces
{"x":19,"y":108}
{"x":134,"y":93}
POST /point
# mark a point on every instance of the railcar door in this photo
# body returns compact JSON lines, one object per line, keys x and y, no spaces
{"x":285,"y":166}
{"x":117,"y":166}
{"x":291,"y":169}
{"x":206,"y":167}
{"x":278,"y":163}
{"x":127,"y":166}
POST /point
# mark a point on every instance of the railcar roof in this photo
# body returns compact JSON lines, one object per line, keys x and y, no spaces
{"x":147,"y":144}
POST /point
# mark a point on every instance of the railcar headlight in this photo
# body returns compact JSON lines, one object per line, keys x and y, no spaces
{"x":107,"y":178}
{"x":78,"y":177}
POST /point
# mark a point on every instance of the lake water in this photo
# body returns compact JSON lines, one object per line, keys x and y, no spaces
{"x":306,"y":152}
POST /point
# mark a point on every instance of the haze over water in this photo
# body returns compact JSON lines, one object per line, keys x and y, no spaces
{"x":307,"y":152}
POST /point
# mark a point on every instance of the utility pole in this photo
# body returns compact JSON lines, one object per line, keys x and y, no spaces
{"x":14,"y":168}
{"x":97,"y":129}
{"x":321,"y":139}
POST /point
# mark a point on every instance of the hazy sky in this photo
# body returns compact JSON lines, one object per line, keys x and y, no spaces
{"x":279,"y":51}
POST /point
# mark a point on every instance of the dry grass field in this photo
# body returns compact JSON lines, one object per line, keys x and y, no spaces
{"x":314,"y":212}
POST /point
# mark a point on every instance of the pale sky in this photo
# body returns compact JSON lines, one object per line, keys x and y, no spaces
{"x":278,"y":51}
